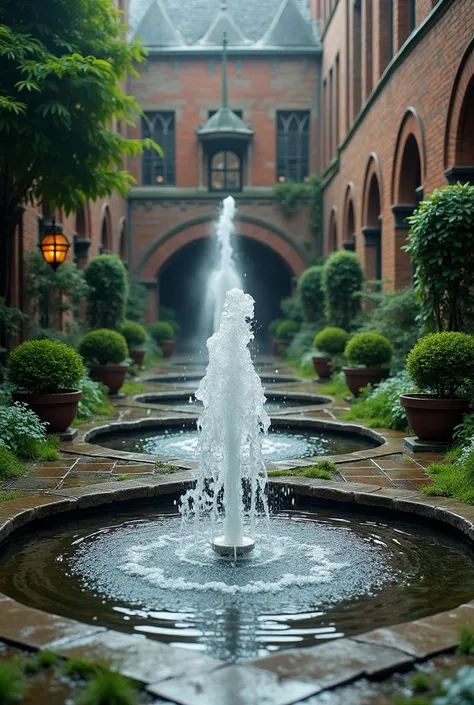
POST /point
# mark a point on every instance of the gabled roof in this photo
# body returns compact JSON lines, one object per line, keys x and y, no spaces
{"x":156,"y":28}
{"x":288,"y":29}
{"x":224,"y":24}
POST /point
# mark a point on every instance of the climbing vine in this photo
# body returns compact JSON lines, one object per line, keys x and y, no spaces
{"x":289,"y":193}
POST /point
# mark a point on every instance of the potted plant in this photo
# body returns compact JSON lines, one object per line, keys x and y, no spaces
{"x":105,"y":352}
{"x":329,"y":342}
{"x":285,"y":333}
{"x":163,"y":334}
{"x":136,"y":337}
{"x":272,"y":329}
{"x":366,"y":353}
{"x":442,"y":366}
{"x":46,"y":374}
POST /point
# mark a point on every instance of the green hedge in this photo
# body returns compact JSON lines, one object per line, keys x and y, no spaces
{"x":368,"y":350}
{"x":443,"y":363}
{"x":44,"y":367}
{"x":103,"y":347}
{"x":331,"y":341}
{"x":161,"y":330}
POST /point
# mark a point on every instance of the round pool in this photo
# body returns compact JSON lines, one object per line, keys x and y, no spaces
{"x":192,"y":380}
{"x":314,"y":575}
{"x":276,"y":401}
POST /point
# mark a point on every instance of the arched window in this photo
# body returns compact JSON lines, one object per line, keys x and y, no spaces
{"x":159,"y":170}
{"x":293,"y":130}
{"x":225,"y":172}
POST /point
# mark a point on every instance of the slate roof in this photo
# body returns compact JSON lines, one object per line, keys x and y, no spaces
{"x":254,"y":20}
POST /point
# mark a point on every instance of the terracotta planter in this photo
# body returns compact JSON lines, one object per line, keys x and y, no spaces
{"x":113,"y":376}
{"x":359,"y":377}
{"x":138,"y":357}
{"x":167,"y":347}
{"x":279,"y":346}
{"x":322,"y":367}
{"x":433,"y":419}
{"x":58,"y":410}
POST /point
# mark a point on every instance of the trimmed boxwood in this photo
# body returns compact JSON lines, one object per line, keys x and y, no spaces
{"x":287,"y":330}
{"x":331,"y":341}
{"x":311,"y":294}
{"x":134,"y":334}
{"x":443,"y":364}
{"x":342,"y":283}
{"x":103,"y":347}
{"x":107,"y":293}
{"x":45,"y":367}
{"x":161,"y":330}
{"x":370,"y":350}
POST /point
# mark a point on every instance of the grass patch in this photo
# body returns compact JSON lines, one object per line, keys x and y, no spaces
{"x":8,"y":496}
{"x":122,"y":478}
{"x":10,"y":465}
{"x":12,"y":682}
{"x":322,"y":470}
{"x":47,"y":450}
{"x":41,"y":660}
{"x":466,"y":641}
{"x":80,"y":668}
{"x":449,"y":479}
{"x":131,"y":388}
{"x":420,"y":683}
{"x":104,"y":410}
{"x":109,"y":688}
{"x":166,"y":468}
{"x":336,"y":387}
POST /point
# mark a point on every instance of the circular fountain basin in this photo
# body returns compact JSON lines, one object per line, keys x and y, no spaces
{"x":192,"y":381}
{"x":178,"y":439}
{"x":276,"y":401}
{"x":313,"y":576}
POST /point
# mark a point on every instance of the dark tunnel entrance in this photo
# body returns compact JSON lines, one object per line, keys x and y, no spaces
{"x":184,"y":280}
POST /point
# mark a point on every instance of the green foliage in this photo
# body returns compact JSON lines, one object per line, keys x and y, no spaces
{"x":167,"y":314}
{"x":46,"y":658}
{"x":80,"y":668}
{"x":302,"y":343}
{"x":332,"y":341}
{"x":458,"y":690}
{"x":395,"y":316}
{"x":175,"y":326}
{"x":466,"y":641}
{"x":12,"y":682}
{"x":322,"y":470}
{"x":44,"y":367}
{"x":420,"y":683}
{"x":292,"y":309}
{"x":368,"y":350}
{"x":48,"y":450}
{"x":341,"y":283}
{"x":134,"y":334}
{"x":19,"y":425}
{"x":311,"y":294}
{"x":95,"y":400}
{"x":8,"y":496}
{"x":380,"y":407}
{"x":167,"y":468}
{"x":137,"y":300}
{"x":131,"y":388}
{"x":465,"y":431}
{"x":153,"y":353}
{"x":443,"y":364}
{"x":10,"y":465}
{"x":54,"y":295}
{"x":106,"y":278}
{"x":315,"y":206}
{"x":287,"y":330}
{"x":11,"y":319}
{"x":161,"y":330}
{"x":103,"y":347}
{"x":441,"y":245}
{"x":273,"y":326}
{"x":288,"y":193}
{"x":337,"y":386}
{"x":452,"y":478}
{"x":109,"y":688}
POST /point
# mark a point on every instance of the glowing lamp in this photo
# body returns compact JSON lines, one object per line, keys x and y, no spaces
{"x":54,"y":245}
{"x":282,"y":179}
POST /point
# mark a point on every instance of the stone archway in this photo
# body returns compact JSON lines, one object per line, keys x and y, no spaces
{"x":372,"y":220}
{"x":106,"y":242}
{"x":332,"y":233}
{"x":459,"y":135}
{"x":349,"y":222}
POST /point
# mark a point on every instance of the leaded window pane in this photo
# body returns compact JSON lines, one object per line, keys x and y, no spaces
{"x":293,"y":133}
{"x":159,"y":170}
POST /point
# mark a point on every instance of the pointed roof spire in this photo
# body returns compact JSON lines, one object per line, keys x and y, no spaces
{"x":225,"y":95}
{"x":156,"y":28}
{"x":288,"y":28}
{"x":224,"y":23}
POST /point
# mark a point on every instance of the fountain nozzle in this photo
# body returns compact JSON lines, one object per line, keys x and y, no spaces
{"x":222,"y":546}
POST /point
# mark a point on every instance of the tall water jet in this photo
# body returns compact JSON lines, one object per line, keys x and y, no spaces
{"x":225,"y":277}
{"x":231,"y":477}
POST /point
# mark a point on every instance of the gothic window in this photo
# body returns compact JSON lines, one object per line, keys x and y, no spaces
{"x":293,"y":129}
{"x":159,"y":170}
{"x":225,"y":172}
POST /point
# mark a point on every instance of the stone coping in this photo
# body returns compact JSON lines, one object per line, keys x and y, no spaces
{"x":390,"y":442}
{"x":279,"y":679}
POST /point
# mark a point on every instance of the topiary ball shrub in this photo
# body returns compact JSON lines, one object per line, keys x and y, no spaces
{"x":273,"y":326}
{"x":311,"y":294}
{"x":331,"y":341}
{"x":134,"y":334}
{"x":44,"y":367}
{"x":103,"y":347}
{"x":161,"y":330}
{"x":342,"y":283}
{"x":107,"y":294}
{"x":287,"y":330}
{"x":369,"y":350}
{"x":443,"y":364}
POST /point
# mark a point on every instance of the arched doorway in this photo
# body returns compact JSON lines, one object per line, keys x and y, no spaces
{"x":106,"y":231}
{"x":348,"y":224}
{"x":184,"y":277}
{"x":372,"y":228}
{"x":459,"y":135}
{"x":332,"y":236}
{"x":465,"y":133}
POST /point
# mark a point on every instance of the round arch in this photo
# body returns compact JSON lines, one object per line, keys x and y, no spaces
{"x":409,"y":168}
{"x":332,"y":231}
{"x":373,"y":173}
{"x":106,"y":241}
{"x":460,"y":106}
{"x":372,"y":208}
{"x":168,"y":243}
{"x":123,"y":245}
{"x":348,"y":216}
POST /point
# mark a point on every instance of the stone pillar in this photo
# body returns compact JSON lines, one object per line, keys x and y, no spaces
{"x":81,"y":251}
{"x":464,"y":174}
{"x":349,"y":245}
{"x":403,"y":268}
{"x":153,"y":310}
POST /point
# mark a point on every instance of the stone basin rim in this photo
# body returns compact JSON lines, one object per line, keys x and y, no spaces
{"x":447,"y":512}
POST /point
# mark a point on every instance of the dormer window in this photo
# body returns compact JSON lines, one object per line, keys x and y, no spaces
{"x":225,"y":172}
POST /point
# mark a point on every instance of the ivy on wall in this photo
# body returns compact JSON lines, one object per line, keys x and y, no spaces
{"x":288,"y":193}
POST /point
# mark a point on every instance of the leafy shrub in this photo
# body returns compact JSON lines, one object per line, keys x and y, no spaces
{"x":458,"y":690}
{"x":464,"y":433}
{"x":466,"y":641}
{"x":273,"y":326}
{"x":103,"y":347}
{"x":137,"y":300}
{"x":292,"y":309}
{"x":12,"y":682}
{"x":380,"y":407}
{"x":341,"y":283}
{"x":18,"y":426}
{"x":11,"y":318}
{"x":10,"y":466}
{"x":175,"y":326}
{"x":395,"y":316}
{"x":302,"y":343}
{"x":322,"y":469}
{"x":109,"y":688}
{"x":134,"y":334}
{"x":81,"y":668}
{"x":443,"y":364}
{"x":368,"y":350}
{"x":311,"y":294}
{"x":167,"y":313}
{"x":44,"y":367}
{"x":161,"y":330}
{"x":332,"y":341}
{"x":287,"y":330}
{"x":107,"y":294}
{"x":153,"y":352}
{"x":288,"y":193}
{"x":441,"y":245}
{"x":94,"y":399}
{"x":337,"y":386}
